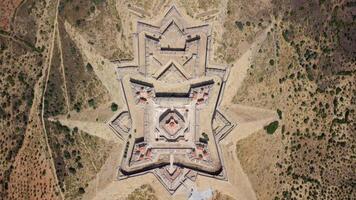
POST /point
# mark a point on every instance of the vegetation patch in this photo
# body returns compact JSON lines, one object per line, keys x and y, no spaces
{"x":73,"y":152}
{"x":239,"y":25}
{"x":114,"y":107}
{"x":272,"y":127}
{"x":279,"y":112}
{"x":144,"y":192}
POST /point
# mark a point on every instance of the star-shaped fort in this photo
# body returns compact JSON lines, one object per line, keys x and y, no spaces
{"x":176,"y":124}
{"x":171,"y":123}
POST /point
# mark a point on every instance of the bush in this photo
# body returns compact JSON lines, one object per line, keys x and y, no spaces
{"x":72,"y":170}
{"x":114,"y":107}
{"x":81,"y":190}
{"x":78,"y":22}
{"x":66,"y":154}
{"x":89,"y":67}
{"x":80,"y":165}
{"x":287,"y":35}
{"x":91,"y":103}
{"x":203,"y":140}
{"x":239,"y":25}
{"x":272,"y":127}
{"x":97,"y":2}
{"x":77,"y":106}
{"x":205,"y":136}
{"x":279,"y":112}
{"x":271,"y":62}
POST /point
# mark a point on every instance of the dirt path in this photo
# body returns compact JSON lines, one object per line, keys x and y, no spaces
{"x":90,"y":158}
{"x":238,"y":184}
{"x":239,"y":70}
{"x":218,"y":29}
{"x":97,"y":129}
{"x":66,"y":96}
{"x":87,"y":151}
{"x":13,"y":18}
{"x":48,"y":64}
{"x":248,"y":119}
{"x":19,"y":41}
{"x":103,"y":68}
{"x":106,"y":174}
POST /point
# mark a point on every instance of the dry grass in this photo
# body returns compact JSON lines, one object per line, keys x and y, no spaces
{"x":144,"y":192}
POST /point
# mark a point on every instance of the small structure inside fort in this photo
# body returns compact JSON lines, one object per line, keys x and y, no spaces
{"x":172,"y":124}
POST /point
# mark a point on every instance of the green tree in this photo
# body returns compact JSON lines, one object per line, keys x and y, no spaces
{"x":114,"y":107}
{"x":272,"y":127}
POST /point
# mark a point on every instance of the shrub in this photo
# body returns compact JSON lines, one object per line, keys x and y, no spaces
{"x":78,"y":22}
{"x":272,"y":127}
{"x":72,"y":170}
{"x":205,"y":136}
{"x":271,"y":62}
{"x":89,"y":67}
{"x":80,"y":165}
{"x":287,"y":35}
{"x":91,"y":103}
{"x":66,"y":154}
{"x":239,"y":25}
{"x":279,"y":112}
{"x":97,"y":2}
{"x":203,"y":140}
{"x":78,"y":106}
{"x":81,"y":190}
{"x":114,"y":107}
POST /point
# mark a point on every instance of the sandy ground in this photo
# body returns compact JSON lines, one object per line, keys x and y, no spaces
{"x":102,"y":113}
{"x":248,"y":119}
{"x":239,"y":70}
